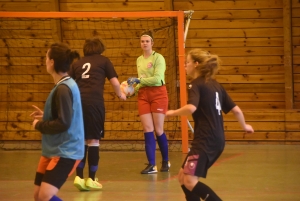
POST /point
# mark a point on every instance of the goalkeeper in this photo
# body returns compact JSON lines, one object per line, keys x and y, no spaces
{"x":152,"y":102}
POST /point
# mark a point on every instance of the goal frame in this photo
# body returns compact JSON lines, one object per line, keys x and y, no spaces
{"x":181,"y":43}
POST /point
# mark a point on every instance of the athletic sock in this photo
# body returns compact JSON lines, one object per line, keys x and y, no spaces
{"x":150,"y":146}
{"x":189,"y":196}
{"x":93,"y":160}
{"x":205,"y":192}
{"x":55,"y":198}
{"x":80,"y":167}
{"x":163,"y":146}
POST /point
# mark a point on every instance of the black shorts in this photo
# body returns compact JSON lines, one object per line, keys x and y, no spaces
{"x":93,"y":119}
{"x":197,"y":163}
{"x":55,"y":170}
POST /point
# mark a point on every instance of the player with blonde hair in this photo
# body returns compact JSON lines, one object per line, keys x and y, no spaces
{"x":152,"y":102}
{"x":207,"y":99}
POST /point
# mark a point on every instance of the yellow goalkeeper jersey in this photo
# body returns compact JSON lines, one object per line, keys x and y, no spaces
{"x":151,"y":70}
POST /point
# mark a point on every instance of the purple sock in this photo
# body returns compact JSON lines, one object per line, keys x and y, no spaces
{"x":163,"y":146}
{"x":55,"y":198}
{"x":150,"y":146}
{"x":80,"y":167}
{"x":93,"y":160}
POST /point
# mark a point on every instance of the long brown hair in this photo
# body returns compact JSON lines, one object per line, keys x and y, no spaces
{"x":208,"y":63}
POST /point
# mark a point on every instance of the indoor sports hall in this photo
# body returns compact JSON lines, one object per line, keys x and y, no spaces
{"x":258,"y":43}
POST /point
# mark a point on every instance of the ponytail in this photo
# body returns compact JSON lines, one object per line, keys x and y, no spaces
{"x":74,"y":55}
{"x":208,"y":63}
{"x":210,"y":67}
{"x":62,"y":56}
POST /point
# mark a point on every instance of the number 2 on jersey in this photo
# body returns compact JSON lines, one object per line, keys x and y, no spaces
{"x":84,"y":74}
{"x":218,"y":105}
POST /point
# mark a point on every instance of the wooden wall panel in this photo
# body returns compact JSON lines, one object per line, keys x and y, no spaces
{"x":236,"y":33}
{"x":296,"y":4}
{"x":296,"y":50}
{"x":226,"y":5}
{"x":229,"y":14}
{"x":270,"y":126}
{"x":235,"y":23}
{"x":295,"y":12}
{"x":248,"y":35}
{"x":254,"y":70}
{"x":243,"y":51}
{"x":22,"y":5}
{"x":234,"y":42}
{"x":109,"y":6}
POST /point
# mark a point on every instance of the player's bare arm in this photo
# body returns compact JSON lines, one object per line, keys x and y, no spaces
{"x":237,"y":112}
{"x":185,"y":110}
{"x":116,"y":85}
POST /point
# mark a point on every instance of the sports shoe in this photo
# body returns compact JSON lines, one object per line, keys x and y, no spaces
{"x":150,"y":169}
{"x":80,"y":184}
{"x":165,"y":166}
{"x":93,"y":185}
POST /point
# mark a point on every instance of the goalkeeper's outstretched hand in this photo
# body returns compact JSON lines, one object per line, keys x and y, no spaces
{"x":133,"y":80}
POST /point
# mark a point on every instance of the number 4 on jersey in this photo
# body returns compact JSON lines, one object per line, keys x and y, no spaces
{"x":218,"y":105}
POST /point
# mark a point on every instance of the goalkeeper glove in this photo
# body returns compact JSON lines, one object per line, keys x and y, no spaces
{"x":133,"y":80}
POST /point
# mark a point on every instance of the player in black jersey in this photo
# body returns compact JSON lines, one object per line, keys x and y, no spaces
{"x":90,"y":73}
{"x":206,"y":101}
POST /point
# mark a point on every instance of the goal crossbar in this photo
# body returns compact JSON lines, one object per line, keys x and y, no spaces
{"x":179,"y":14}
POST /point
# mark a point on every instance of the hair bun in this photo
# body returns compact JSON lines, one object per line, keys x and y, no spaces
{"x":74,"y":55}
{"x":148,"y":33}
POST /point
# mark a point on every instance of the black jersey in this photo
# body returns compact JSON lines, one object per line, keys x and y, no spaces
{"x":210,"y":99}
{"x":90,"y":73}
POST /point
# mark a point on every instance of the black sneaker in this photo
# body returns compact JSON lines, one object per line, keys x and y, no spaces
{"x":150,"y":169}
{"x":165,"y":166}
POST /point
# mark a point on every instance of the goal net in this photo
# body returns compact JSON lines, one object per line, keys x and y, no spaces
{"x":25,"y":38}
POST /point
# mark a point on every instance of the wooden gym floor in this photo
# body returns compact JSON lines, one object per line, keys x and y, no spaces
{"x":243,"y":173}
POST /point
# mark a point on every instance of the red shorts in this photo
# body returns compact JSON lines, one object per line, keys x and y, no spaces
{"x":153,"y":100}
